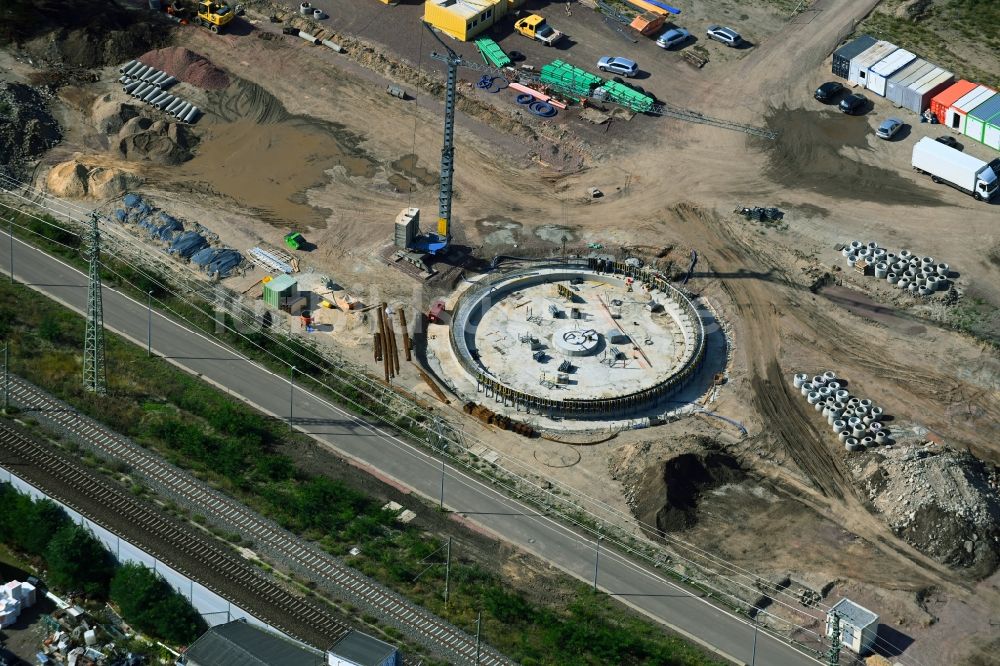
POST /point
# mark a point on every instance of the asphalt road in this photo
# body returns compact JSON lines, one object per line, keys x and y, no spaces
{"x":389,"y":456}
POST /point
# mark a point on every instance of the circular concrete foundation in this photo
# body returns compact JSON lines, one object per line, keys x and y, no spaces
{"x":591,"y":341}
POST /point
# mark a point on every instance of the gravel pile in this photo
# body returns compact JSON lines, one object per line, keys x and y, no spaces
{"x":186,"y":66}
{"x":943,"y":502}
{"x":27,"y":129}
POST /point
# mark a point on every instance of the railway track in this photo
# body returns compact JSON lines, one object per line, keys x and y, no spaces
{"x":360,"y":590}
{"x":64,"y":477}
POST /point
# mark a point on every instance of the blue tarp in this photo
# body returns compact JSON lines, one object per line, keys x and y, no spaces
{"x":205,"y":257}
{"x":225,"y":261}
{"x":120,"y":214}
{"x":132,"y":200}
{"x":187,"y":244}
{"x":166,"y":230}
{"x":144,"y":208}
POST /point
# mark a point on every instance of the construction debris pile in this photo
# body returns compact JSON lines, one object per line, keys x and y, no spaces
{"x":194,"y":244}
{"x":15,"y":596}
{"x":856,"y":421}
{"x":488,"y":416}
{"x":918,"y":275}
{"x":946,"y":503}
{"x":27,"y":129}
{"x":75,"y":640}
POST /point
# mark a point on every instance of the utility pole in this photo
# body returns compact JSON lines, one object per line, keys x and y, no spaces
{"x":291,"y":394}
{"x":447,"y":574}
{"x":149,"y":323}
{"x":833,"y":656}
{"x":479,"y":623}
{"x":597,"y":559}
{"x":95,"y":377}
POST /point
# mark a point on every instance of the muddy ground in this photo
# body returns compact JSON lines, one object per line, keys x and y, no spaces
{"x":307,"y":139}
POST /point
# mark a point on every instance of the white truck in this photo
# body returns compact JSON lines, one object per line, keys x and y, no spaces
{"x":953,"y":167}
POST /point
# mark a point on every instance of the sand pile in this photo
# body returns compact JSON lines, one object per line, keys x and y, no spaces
{"x":160,"y":142}
{"x":110,"y":114}
{"x":80,"y":180}
{"x":186,"y":66}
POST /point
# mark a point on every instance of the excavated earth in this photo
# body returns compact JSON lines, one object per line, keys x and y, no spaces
{"x":27,"y":128}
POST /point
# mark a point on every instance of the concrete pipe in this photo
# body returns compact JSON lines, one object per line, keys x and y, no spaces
{"x":819,"y":406}
{"x":853,"y":402}
{"x":812,"y":398}
{"x":867,"y":441}
{"x":905,"y":255}
{"x":131,"y":71}
{"x":179,"y":113}
{"x":891,"y":258}
{"x":129,"y":87}
{"x":927,"y":260}
{"x":866,"y":404}
{"x":305,"y":9}
{"x":876,"y":412}
{"x":800,"y":379}
{"x":910,"y":273}
{"x":177,"y":109}
{"x":843,"y":395}
{"x":864,"y":253}
{"x":818,"y":380}
{"x":141,"y":88}
{"x":824,"y":391}
{"x":126,"y":66}
{"x":123,"y":79}
{"x":932,"y":283}
{"x":874,"y":426}
{"x":942,"y":270}
{"x":851,"y":444}
{"x":853,"y":421}
{"x":914,"y":288}
{"x":162,"y":101}
{"x":858,"y":429}
{"x":159,"y":97}
{"x":843,"y":435}
{"x":174,"y":104}
{"x":914,"y":262}
{"x":881,"y":437}
{"x":827,"y":414}
{"x":921,"y":281}
{"x":192,"y":114}
{"x":879,"y":253}
{"x":851,"y":258}
{"x":892,"y":278}
{"x":319,"y":14}
{"x":150,"y":74}
{"x":903,"y":283}
{"x":309,"y":38}
{"x":867,"y":419}
{"x":160,"y":78}
{"x":806,"y":388}
{"x":833,"y":384}
{"x":839,"y":426}
{"x":871,"y":245}
{"x":881,"y":270}
{"x":829,"y":375}
{"x":846,"y":251}
{"x":856,"y":245}
{"x":927,"y":269}
{"x":139,"y":73}
{"x":153,"y":92}
{"x":925,"y":291}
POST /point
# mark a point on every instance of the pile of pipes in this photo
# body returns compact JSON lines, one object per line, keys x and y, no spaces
{"x":488,"y":416}
{"x":150,"y":85}
{"x":917,"y":275}
{"x":857,"y":422}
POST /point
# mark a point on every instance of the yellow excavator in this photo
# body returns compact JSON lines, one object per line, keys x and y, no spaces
{"x":213,"y":15}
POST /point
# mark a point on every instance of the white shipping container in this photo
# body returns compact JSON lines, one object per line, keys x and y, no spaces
{"x":955,"y":116}
{"x":917,"y":97}
{"x":904,"y":77}
{"x":861,"y":64}
{"x":885,"y":68}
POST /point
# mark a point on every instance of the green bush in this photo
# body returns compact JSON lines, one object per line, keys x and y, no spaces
{"x":77,"y":560}
{"x":150,"y":605}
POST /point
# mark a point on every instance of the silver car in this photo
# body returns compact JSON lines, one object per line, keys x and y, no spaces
{"x":672,"y":38}
{"x":622,"y":66}
{"x":889,"y":128}
{"x":727,"y":36}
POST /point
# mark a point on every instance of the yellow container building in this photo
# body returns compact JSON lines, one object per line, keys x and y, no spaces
{"x":464,"y":19}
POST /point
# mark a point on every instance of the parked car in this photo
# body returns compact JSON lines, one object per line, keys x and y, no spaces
{"x":828,"y":92}
{"x":949,"y":141}
{"x":672,"y":38}
{"x":853,"y":104}
{"x":889,"y":128}
{"x":727,"y":36}
{"x":622,"y":66}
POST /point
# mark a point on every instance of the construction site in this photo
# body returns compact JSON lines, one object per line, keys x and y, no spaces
{"x":709,"y":313}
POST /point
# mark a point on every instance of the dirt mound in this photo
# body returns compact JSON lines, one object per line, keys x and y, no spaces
{"x":143,"y":140}
{"x":77,"y":179}
{"x":27,"y":129}
{"x":187,"y":66}
{"x":943,"y":502}
{"x":80,"y":33}
{"x":110,"y":115}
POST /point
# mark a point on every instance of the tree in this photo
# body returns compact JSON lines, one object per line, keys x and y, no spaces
{"x":77,"y":560}
{"x":150,"y":605}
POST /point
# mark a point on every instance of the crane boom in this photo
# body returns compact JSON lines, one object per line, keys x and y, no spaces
{"x":448,"y":148}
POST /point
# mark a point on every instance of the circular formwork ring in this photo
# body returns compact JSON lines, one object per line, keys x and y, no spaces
{"x":480,"y":295}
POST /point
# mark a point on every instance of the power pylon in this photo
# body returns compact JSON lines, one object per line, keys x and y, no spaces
{"x":833,"y":655}
{"x":95,"y":377}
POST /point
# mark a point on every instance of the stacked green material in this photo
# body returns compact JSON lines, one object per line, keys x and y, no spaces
{"x":492,"y":53}
{"x":627,"y":97}
{"x":569,"y":78}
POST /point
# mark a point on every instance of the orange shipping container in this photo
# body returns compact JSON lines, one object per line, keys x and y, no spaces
{"x":648,"y":23}
{"x":941,"y":102}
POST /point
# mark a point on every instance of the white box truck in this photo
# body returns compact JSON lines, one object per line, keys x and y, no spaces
{"x":963,"y":172}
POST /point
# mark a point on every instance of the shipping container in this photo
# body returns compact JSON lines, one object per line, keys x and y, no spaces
{"x":862,"y":63}
{"x":975,"y":122}
{"x":991,"y":137}
{"x":917,"y":97}
{"x":941,"y":102}
{"x":842,"y":56}
{"x":904,"y":77}
{"x":955,"y":117}
{"x":883,"y":69}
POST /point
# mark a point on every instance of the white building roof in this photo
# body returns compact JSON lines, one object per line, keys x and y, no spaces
{"x":467,"y":9}
{"x":856,"y":615}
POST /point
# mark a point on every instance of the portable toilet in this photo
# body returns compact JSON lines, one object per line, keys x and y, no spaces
{"x":842,"y":57}
{"x":975,"y":121}
{"x":955,"y":118}
{"x":883,"y":69}
{"x":862,"y":64}
{"x":941,"y":102}
{"x":281,"y":287}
